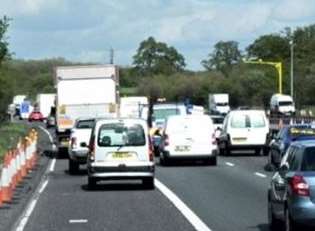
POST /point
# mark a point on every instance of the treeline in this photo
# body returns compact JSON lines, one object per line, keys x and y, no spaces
{"x":159,"y":70}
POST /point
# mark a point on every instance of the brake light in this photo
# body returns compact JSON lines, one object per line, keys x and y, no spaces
{"x":299,"y":186}
{"x":73,"y":142}
{"x":214,"y":140}
{"x":92,"y":148}
{"x":166,"y":140}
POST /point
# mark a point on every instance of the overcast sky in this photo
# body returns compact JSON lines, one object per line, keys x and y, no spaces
{"x":84,"y":30}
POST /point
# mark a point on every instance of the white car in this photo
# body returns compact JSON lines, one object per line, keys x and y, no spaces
{"x":120,"y":149}
{"x":80,"y":136}
{"x":244,"y":129}
{"x":189,"y":137}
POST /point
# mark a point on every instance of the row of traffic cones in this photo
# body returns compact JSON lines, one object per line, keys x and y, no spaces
{"x":17,"y":164}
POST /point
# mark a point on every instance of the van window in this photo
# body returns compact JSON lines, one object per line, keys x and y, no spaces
{"x":257,"y":121}
{"x":120,"y":134}
{"x":240,"y":121}
{"x":85,"y":124}
{"x":163,"y":113}
{"x":285,"y":103}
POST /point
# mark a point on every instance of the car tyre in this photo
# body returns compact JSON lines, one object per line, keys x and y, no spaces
{"x":274,"y":223}
{"x":148,"y":183}
{"x":73,"y":166}
{"x":212,"y":161}
{"x":225,"y":151}
{"x":91,"y":182}
{"x":164,"y":160}
{"x":257,"y":151}
{"x":289,"y":224}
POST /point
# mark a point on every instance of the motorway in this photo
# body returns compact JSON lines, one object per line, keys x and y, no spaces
{"x":230,"y":196}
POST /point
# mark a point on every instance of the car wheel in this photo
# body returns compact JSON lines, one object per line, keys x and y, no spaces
{"x":274,"y":223}
{"x":148,"y":183}
{"x":164,"y":160}
{"x":265,"y":151}
{"x":73,"y":166}
{"x":212,"y":161}
{"x":91,"y":182}
{"x":289,"y":224}
{"x":257,"y":151}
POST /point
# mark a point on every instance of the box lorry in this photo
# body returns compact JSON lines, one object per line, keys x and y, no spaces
{"x":84,"y":91}
{"x":133,"y":107}
{"x":44,"y":102}
{"x":219,"y":104}
{"x":17,"y":101}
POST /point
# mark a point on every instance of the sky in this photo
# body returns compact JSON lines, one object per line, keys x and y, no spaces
{"x":85,"y":30}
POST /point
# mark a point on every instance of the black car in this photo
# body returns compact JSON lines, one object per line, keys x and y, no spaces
{"x":291,"y":195}
{"x":285,"y":137}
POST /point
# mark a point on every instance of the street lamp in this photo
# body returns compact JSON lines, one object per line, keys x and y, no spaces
{"x":277,"y":65}
{"x":291,"y":68}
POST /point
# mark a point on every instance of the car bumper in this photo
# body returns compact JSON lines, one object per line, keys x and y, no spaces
{"x":79,"y":156}
{"x":187,"y":156}
{"x":304,"y":213}
{"x":246,"y":146}
{"x":120,"y":171}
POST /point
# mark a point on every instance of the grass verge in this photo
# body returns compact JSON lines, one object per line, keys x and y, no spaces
{"x":9,"y":136}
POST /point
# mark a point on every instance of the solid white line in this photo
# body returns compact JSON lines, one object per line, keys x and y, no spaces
{"x":260,"y":174}
{"x":74,"y":221}
{"x":42,"y":188}
{"x":52,"y":165}
{"x":196,"y":222}
{"x":48,"y":133}
{"x":230,"y":164}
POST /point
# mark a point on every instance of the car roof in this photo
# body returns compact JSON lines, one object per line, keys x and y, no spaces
{"x":168,"y":105}
{"x":189,"y":116}
{"x":304,"y":143}
{"x":246,"y":112}
{"x":129,"y":120}
{"x":300,"y":126}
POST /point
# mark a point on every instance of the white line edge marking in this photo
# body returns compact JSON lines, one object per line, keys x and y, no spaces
{"x":48,"y":133}
{"x":74,"y":221}
{"x":194,"y":220}
{"x":52,"y":165}
{"x":230,"y":164}
{"x":42,"y":188}
{"x":260,"y":174}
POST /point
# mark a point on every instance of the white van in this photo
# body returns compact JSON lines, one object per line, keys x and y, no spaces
{"x":244,"y":129}
{"x":282,"y":104}
{"x":189,"y":137}
{"x":120,"y":149}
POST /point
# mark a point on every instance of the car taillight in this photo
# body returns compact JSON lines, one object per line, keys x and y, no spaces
{"x":92,"y":148}
{"x":166,"y":140}
{"x":214,"y":140}
{"x":73,"y":142}
{"x":299,"y":186}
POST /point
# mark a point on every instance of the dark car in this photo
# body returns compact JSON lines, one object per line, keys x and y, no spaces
{"x":285,"y":137}
{"x":291,"y":196}
{"x":36,"y":116}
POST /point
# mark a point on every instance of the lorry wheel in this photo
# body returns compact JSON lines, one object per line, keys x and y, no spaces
{"x":73,"y":167}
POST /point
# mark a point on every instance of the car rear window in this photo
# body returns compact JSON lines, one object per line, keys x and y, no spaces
{"x":85,"y":124}
{"x":163,"y":113}
{"x":247,"y":121}
{"x":217,"y":120}
{"x":120,"y":134}
{"x":301,"y":131}
{"x":257,"y":121}
{"x":308,"y":163}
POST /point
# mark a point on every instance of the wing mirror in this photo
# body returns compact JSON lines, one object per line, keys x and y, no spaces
{"x":83,"y":145}
{"x":283,"y":169}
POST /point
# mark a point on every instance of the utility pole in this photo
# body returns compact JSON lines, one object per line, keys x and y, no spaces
{"x":292,"y":68}
{"x":111,"y":56}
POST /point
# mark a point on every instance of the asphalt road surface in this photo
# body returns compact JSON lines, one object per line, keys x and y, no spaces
{"x":230,"y":196}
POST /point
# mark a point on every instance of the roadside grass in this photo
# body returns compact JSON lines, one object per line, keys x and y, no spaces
{"x":9,"y":136}
{"x":128,"y":91}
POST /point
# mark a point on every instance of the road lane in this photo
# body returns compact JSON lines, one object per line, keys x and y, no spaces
{"x":66,"y":203}
{"x":224,"y":197}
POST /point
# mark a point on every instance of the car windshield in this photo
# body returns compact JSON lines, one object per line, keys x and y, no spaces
{"x":301,"y":131}
{"x":120,"y":134}
{"x":308,"y":163}
{"x":222,"y":104}
{"x":217,"y":120}
{"x":285,"y":103}
{"x":85,"y":124}
{"x":246,"y":121}
{"x":163,"y":113}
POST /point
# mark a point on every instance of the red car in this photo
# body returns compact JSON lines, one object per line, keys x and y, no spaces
{"x":36,"y":116}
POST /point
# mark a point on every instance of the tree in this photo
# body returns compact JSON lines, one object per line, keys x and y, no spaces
{"x":273,"y":47}
{"x":157,"y":58}
{"x":4,"y":51}
{"x":224,"y":56}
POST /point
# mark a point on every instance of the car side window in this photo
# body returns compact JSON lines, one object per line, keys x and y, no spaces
{"x":293,"y":159}
{"x":285,"y":158}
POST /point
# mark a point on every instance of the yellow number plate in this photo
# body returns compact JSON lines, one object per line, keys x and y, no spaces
{"x":122,"y":155}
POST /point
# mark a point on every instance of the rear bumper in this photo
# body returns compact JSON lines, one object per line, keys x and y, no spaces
{"x":303,"y":213}
{"x":79,"y":156}
{"x":169,"y":155}
{"x":247,"y":147}
{"x":120,"y":171}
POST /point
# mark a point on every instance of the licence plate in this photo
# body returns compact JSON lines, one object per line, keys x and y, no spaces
{"x":122,"y":155}
{"x":183,"y":148}
{"x":240,"y":139}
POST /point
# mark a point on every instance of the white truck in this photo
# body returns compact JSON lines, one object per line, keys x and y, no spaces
{"x":84,"y":91}
{"x":17,"y":101}
{"x":282,"y":105}
{"x":133,"y":107}
{"x":219,"y":104}
{"x":44,"y":102}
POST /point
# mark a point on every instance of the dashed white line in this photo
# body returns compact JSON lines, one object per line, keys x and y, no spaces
{"x":194,"y":220}
{"x":230,"y":164}
{"x":78,"y":221}
{"x":52,"y":165}
{"x":260,"y":175}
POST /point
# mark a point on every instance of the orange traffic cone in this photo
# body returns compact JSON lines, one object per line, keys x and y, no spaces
{"x":5,"y":181}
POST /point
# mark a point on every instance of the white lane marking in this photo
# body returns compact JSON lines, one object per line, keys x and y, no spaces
{"x":48,"y":133}
{"x":42,"y":188}
{"x":230,"y":164}
{"x":52,"y":165}
{"x":75,"y":221}
{"x":196,"y":222}
{"x":260,"y":174}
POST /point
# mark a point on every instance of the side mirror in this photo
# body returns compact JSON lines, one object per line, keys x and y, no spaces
{"x":283,"y":169}
{"x":83,"y":145}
